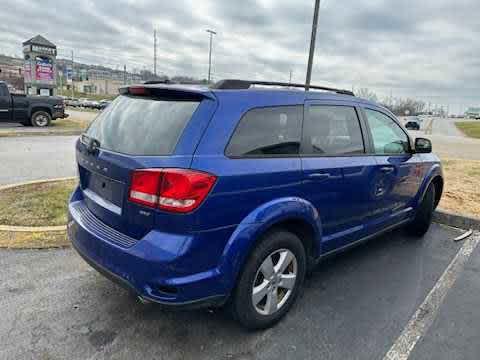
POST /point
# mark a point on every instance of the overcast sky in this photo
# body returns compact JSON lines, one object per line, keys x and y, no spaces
{"x":423,"y":48}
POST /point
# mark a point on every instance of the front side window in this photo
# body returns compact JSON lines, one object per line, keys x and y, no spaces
{"x":332,"y":130}
{"x":268,"y":132}
{"x":388,"y":138}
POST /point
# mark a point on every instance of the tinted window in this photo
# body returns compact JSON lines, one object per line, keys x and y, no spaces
{"x":333,"y":130}
{"x":141,"y":126}
{"x":388,"y":137}
{"x":273,"y":131}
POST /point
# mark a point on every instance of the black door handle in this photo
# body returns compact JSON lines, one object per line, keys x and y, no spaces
{"x":387,"y":169}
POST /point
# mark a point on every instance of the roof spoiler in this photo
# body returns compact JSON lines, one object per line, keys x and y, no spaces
{"x":170,"y":92}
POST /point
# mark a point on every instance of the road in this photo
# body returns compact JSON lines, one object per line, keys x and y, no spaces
{"x":353,"y":306}
{"x":449,"y":142}
{"x":36,"y":157}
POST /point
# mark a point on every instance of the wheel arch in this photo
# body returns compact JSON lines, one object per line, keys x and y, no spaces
{"x":36,"y":108}
{"x":435,"y":177}
{"x":295,"y":215}
{"x":438,"y":182}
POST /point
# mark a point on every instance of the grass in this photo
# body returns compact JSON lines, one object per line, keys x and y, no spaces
{"x":68,"y":126}
{"x":79,"y":95}
{"x":469,"y":128}
{"x":461,"y":194}
{"x":36,"y":204}
{"x":70,"y":123}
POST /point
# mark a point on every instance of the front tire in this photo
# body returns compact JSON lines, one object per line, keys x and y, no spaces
{"x":423,"y":218}
{"x":41,"y":119}
{"x":270,"y":282}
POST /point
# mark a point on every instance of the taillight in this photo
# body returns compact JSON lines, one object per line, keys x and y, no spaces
{"x":176,"y":190}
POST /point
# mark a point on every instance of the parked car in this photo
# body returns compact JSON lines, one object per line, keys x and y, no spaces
{"x":73,"y":102}
{"x":230,"y":195}
{"x":29,"y":110}
{"x":412,"y":125}
{"x":103,"y":104}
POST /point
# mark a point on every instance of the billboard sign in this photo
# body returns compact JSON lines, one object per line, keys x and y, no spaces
{"x":68,"y":74}
{"x":44,"y":69}
{"x":44,"y":50}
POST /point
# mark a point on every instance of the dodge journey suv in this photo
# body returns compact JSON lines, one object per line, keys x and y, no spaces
{"x":230,"y":195}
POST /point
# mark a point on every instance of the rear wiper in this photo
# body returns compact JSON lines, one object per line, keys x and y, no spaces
{"x":92,"y":144}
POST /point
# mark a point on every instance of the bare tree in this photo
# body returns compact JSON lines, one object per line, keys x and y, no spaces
{"x":410,"y":106}
{"x":365,"y":93}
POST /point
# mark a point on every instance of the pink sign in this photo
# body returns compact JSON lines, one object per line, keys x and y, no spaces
{"x":44,"y":69}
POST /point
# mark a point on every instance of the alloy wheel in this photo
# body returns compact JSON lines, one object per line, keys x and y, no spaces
{"x":274,"y":282}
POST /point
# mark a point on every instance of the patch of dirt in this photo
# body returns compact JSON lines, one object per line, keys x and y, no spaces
{"x":461,"y":193}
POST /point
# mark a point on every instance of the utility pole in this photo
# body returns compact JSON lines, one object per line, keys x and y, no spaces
{"x":211,"y":32}
{"x":312,"y":45}
{"x":290,"y":79}
{"x":72,"y":74}
{"x":155,"y":52}
{"x":124,"y":74}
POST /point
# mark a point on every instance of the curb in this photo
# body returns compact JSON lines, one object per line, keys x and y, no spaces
{"x":33,"y":237}
{"x":33,"y":182}
{"x":40,"y":133}
{"x":454,"y":220}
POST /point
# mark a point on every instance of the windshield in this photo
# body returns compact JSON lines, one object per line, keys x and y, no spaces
{"x":141,"y":126}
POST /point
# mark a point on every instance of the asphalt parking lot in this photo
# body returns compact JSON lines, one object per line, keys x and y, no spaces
{"x":354,"y":306}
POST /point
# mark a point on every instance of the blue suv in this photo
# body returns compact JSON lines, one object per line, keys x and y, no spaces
{"x":229,"y":195}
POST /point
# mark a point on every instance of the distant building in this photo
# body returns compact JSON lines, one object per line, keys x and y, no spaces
{"x":473,"y":113}
{"x":99,"y":87}
{"x":11,"y":71}
{"x":40,"y":74}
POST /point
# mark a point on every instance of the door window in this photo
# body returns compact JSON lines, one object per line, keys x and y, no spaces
{"x":388,"y":138}
{"x":268,"y":132}
{"x":332,"y":130}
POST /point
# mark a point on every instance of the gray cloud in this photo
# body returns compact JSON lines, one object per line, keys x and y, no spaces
{"x":426,"y":48}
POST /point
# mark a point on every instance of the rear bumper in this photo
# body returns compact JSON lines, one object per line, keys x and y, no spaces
{"x":59,"y":115}
{"x":153,"y":267}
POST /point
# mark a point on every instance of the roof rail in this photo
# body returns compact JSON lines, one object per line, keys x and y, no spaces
{"x":233,"y":84}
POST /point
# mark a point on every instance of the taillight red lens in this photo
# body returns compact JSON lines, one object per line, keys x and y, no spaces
{"x":176,"y":190}
{"x":145,"y":187}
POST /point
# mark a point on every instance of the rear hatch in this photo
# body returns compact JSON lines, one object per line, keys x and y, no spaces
{"x":144,"y":128}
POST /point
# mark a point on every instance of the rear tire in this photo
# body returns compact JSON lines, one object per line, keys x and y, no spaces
{"x":421,"y":223}
{"x":270,"y":282}
{"x":41,"y":119}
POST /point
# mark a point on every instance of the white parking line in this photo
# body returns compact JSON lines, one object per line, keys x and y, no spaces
{"x":427,"y":312}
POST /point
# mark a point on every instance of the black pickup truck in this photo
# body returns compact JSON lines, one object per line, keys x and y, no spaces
{"x":29,"y":110}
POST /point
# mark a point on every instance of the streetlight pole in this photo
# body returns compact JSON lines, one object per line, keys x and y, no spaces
{"x":312,"y":45}
{"x":211,"y":32}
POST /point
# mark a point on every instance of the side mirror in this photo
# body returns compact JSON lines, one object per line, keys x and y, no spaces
{"x":423,"y":146}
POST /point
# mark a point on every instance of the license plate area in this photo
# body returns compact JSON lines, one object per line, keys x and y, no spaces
{"x":108,"y":189}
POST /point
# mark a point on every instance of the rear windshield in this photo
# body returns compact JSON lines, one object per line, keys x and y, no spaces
{"x":141,"y":126}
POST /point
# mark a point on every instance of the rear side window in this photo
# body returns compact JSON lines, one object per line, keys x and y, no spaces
{"x":269,"y":132}
{"x":3,"y":90}
{"x":332,"y":130}
{"x":141,"y":126}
